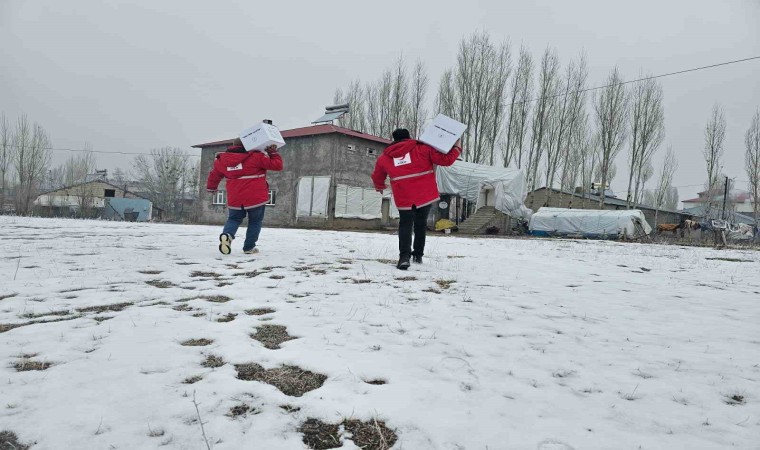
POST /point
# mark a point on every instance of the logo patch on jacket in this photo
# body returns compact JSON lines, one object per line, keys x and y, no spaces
{"x":238,"y":167}
{"x":404,"y":160}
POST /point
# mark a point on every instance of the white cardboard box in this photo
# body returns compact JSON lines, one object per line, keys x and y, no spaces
{"x":261,"y":136}
{"x":443,"y":133}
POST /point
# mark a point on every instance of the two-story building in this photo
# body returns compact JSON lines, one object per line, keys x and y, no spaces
{"x":325,"y":182}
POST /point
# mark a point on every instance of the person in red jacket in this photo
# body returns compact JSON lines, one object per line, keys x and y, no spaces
{"x":247,"y":190}
{"x":409,"y":165}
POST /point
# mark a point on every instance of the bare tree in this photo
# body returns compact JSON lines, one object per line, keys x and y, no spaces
{"x":417,"y":111}
{"x":547,"y":87}
{"x":76,"y":170}
{"x":715,"y":134}
{"x":399,"y":101}
{"x":565,"y":118}
{"x":446,"y":101}
{"x":473,"y":93}
{"x":166,"y":175}
{"x":647,"y":127}
{"x":611,"y":111}
{"x":519,"y":107}
{"x":752,"y":163}
{"x":119,"y":178}
{"x":355,"y":97}
{"x":662,"y":195}
{"x":30,"y":160}
{"x":7,"y":151}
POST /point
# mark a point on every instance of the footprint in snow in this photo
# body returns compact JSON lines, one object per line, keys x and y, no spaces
{"x":553,"y":444}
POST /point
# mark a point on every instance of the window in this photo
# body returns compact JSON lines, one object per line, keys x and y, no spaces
{"x":272,"y":197}
{"x":371,"y":151}
{"x":109,"y":193}
{"x":351,"y":147}
{"x":219,"y":198}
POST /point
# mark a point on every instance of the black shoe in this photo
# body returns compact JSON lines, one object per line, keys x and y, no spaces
{"x":403,"y":263}
{"x":417,"y":259}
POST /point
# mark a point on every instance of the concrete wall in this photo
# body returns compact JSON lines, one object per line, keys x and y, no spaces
{"x":320,"y":155}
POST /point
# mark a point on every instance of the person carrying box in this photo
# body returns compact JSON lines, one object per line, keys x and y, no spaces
{"x":247,"y":190}
{"x":409,"y":165}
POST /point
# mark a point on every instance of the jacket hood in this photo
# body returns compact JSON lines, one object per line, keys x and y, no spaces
{"x":233,"y":156}
{"x":400,"y":148}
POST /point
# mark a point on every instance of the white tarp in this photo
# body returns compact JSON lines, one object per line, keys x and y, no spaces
{"x":468,"y":180}
{"x":357,"y":203}
{"x":589,"y":222}
{"x":313,"y":193}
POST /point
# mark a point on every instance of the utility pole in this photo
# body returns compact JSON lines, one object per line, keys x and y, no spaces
{"x":725,"y":196}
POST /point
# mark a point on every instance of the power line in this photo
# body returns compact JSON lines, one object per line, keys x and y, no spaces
{"x":694,"y":69}
{"x":99,"y":151}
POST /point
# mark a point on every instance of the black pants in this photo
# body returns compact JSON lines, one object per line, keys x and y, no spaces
{"x":412,"y":218}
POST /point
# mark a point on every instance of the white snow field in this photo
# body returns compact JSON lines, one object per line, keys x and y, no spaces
{"x":490,"y":344}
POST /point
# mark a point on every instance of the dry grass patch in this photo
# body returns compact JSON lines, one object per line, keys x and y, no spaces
{"x":290,"y":380}
{"x":259,"y":311}
{"x":161,"y":284}
{"x":409,"y":278}
{"x":223,"y":284}
{"x":114,"y":307}
{"x":151,"y":272}
{"x":192,"y":380}
{"x":722,"y":258}
{"x":734,"y":399}
{"x":9,"y":441}
{"x":272,"y":336}
{"x":376,"y":382}
{"x":445,"y":284}
{"x":199,"y":314}
{"x":227,"y":318}
{"x":183,"y":307}
{"x":251,"y":274}
{"x":215,"y":298}
{"x":201,"y":274}
{"x":277,"y":277}
{"x":241,"y":410}
{"x":25,"y":365}
{"x":370,"y":435}
{"x":432,"y":290}
{"x":319,"y":435}
{"x":197,"y":342}
{"x":4,"y":296}
{"x":213,"y":361}
{"x":31,"y":315}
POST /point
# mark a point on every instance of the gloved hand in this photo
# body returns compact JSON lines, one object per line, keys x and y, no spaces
{"x":271,"y":149}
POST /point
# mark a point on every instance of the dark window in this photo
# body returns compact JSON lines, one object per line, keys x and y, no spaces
{"x":109,"y":193}
{"x":272,"y":198}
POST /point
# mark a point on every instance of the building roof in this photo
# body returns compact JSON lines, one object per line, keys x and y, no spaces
{"x":610,"y":200}
{"x":63,"y":188}
{"x":310,"y":131}
{"x":735,"y":196}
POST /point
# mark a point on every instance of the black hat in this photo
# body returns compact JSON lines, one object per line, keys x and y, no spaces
{"x":401,"y":134}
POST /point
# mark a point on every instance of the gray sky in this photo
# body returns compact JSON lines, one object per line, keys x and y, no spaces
{"x":131,"y":76}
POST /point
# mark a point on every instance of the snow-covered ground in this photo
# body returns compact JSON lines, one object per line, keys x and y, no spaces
{"x":491,"y":344}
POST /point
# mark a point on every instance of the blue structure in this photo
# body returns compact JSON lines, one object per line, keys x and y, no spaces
{"x":128,"y":209}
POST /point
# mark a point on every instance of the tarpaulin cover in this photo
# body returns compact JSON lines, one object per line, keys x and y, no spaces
{"x":313,"y":193}
{"x":357,"y":203}
{"x":468,"y":180}
{"x":589,"y":223}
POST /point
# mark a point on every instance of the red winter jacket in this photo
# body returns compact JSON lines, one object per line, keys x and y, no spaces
{"x":409,"y":165}
{"x":246,"y":174}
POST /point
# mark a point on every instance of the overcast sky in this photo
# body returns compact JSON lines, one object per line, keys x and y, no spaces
{"x":131,"y":76}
